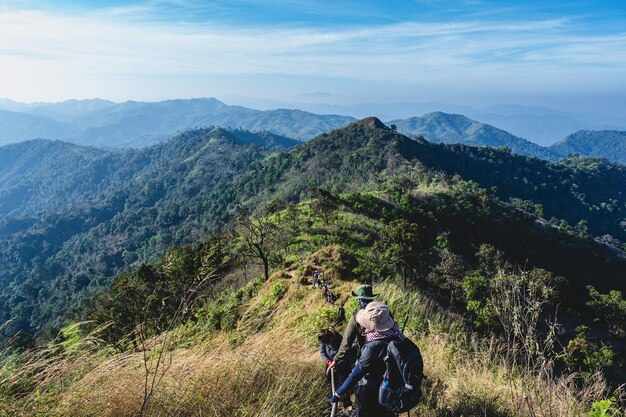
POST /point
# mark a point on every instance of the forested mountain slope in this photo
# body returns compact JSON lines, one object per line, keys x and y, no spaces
{"x":202,"y":331}
{"x":71,"y":232}
{"x":609,"y":144}
{"x":124,"y":207}
{"x":454,"y":128}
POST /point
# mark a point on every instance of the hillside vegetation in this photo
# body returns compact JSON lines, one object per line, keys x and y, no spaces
{"x":454,"y":128}
{"x":202,"y":332}
{"x":609,"y":144}
{"x":442,"y":127}
{"x":67,"y":235}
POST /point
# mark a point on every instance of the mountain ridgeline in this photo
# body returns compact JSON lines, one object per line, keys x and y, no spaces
{"x":609,"y":144}
{"x":136,"y":124}
{"x":131,"y":124}
{"x":74,"y":217}
{"x":455,"y":128}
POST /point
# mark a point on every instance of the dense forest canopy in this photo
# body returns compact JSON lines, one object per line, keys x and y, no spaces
{"x":75,"y":217}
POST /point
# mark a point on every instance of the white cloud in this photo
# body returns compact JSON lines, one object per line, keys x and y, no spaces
{"x":39,"y":46}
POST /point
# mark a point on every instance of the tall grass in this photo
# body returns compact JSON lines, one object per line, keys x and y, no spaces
{"x":273,"y":369}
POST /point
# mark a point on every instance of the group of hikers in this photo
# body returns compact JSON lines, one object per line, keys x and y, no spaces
{"x":320,"y":281}
{"x":372,"y":359}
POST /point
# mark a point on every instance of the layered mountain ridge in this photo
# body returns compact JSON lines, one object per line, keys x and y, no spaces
{"x":67,"y":235}
{"x":135,"y":124}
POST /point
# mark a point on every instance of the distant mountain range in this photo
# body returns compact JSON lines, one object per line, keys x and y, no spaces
{"x":106,"y":124}
{"x":455,"y":128}
{"x":541,"y":125}
{"x":136,"y":124}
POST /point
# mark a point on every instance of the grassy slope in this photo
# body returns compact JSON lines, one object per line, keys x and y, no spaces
{"x":267,"y":363}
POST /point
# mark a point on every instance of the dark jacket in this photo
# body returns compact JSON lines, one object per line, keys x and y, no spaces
{"x":369,"y":369}
{"x":329,"y":350}
{"x":372,"y":362}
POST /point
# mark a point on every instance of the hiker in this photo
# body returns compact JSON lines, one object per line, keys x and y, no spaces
{"x":380,"y":329}
{"x":315,"y":261}
{"x":331,"y":298}
{"x":354,"y":332}
{"x":341,"y":314}
{"x":316,"y":276}
{"x":325,"y":290}
{"x":330,"y":341}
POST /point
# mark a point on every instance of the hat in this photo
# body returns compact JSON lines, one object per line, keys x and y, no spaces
{"x":364,"y":292}
{"x":375,"y":317}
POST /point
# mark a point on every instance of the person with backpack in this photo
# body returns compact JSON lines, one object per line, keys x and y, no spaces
{"x":341,"y":314}
{"x":330,"y":341}
{"x":370,"y":369}
{"x":354,"y":332}
{"x":324,"y":290}
{"x":389,"y":371}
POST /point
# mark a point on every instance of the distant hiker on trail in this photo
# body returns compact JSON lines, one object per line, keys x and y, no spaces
{"x":330,"y":297}
{"x":341,"y":314}
{"x":324,"y":290}
{"x":380,"y":329}
{"x":316,"y":276}
{"x":316,"y":261}
{"x":330,"y":341}
{"x":354,"y":331}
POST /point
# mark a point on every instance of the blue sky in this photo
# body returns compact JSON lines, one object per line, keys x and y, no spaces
{"x":562,"y":53}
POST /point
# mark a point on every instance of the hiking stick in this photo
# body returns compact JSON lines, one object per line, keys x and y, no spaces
{"x":404,"y":324}
{"x":332,"y":384}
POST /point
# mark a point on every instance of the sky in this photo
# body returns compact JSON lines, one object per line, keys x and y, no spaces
{"x":564,"y":54}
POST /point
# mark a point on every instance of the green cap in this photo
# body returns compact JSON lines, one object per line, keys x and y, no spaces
{"x":364,"y":292}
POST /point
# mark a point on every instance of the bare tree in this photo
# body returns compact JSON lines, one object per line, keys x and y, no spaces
{"x":260,"y":236}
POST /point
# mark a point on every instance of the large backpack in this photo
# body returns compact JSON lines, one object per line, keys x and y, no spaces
{"x":401,"y":389}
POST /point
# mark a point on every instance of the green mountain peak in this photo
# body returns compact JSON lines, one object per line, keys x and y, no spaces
{"x":371,"y":122}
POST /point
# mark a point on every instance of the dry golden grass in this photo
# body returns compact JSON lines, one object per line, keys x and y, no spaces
{"x":277,"y":371}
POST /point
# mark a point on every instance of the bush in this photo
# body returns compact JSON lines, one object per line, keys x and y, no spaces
{"x":605,"y":408}
{"x":584,"y":355}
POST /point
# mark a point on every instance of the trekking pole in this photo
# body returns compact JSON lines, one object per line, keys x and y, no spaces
{"x":404,"y":324}
{"x":332,"y":384}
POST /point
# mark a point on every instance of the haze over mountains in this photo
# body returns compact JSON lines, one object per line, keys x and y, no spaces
{"x":541,"y":125}
{"x":106,"y":124}
{"x":135,"y":124}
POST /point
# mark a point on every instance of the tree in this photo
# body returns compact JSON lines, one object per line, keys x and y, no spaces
{"x":260,"y":236}
{"x":611,"y":307}
{"x":449,"y":273}
{"x":324,"y":204}
{"x":400,"y":244}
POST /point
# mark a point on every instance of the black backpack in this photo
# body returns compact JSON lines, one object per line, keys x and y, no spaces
{"x":401,"y":389}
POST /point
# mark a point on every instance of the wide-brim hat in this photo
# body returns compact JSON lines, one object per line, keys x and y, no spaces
{"x":364,"y":292}
{"x":375,"y":317}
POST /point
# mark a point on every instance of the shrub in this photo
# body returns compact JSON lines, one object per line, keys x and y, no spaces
{"x":584,"y":355}
{"x":605,"y":408}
